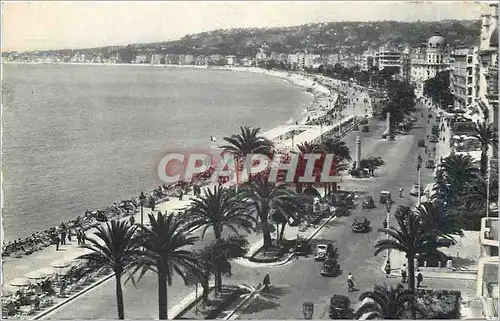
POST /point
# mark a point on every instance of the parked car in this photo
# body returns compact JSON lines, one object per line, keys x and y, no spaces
{"x":415,"y":190}
{"x":421,"y":143}
{"x":367,"y":202}
{"x":340,"y":308}
{"x":330,"y":268}
{"x":430,"y":164}
{"x":385,"y":196}
{"x":365,"y":129}
{"x":361,"y":224}
{"x":433,"y":139}
{"x":320,"y":252}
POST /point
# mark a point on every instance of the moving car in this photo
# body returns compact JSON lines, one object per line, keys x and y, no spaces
{"x":320,"y":252}
{"x":365,"y":129}
{"x":367,"y":202}
{"x":430,"y":164}
{"x":385,"y":196}
{"x":330,"y":268}
{"x":421,"y":143}
{"x":361,"y":224}
{"x":415,"y":190}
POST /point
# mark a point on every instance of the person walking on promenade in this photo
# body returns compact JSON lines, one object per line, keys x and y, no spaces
{"x":131,"y":220}
{"x":78,"y":237}
{"x":63,"y":237}
{"x":266,"y":282}
{"x":420,"y":278}
{"x":82,"y":236}
{"x":57,"y":240}
{"x":69,"y":234}
{"x":403,"y":274}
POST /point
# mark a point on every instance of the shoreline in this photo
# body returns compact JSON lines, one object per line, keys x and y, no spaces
{"x":305,"y":82}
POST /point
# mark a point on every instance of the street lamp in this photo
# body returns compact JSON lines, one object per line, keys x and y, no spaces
{"x":388,"y":205}
{"x":308,"y":310}
{"x":142,"y":197}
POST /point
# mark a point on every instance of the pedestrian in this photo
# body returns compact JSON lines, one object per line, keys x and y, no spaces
{"x":420,"y":278}
{"x":78,"y":237}
{"x":387,"y":269}
{"x":63,"y":237}
{"x":82,"y":237}
{"x":131,"y":220}
{"x":403,"y":274}
{"x":57,"y":240}
{"x":69,"y":235}
{"x":266,"y":282}
{"x":384,"y":224}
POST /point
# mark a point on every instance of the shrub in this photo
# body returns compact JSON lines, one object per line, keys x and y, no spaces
{"x":440,"y":304}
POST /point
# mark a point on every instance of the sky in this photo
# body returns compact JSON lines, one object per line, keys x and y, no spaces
{"x":38,"y":25}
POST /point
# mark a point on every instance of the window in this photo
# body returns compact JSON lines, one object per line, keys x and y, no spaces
{"x":469,"y":80}
{"x":469,"y":59}
{"x":469,"y":91}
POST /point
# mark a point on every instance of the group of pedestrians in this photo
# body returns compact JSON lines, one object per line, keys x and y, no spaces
{"x":404,"y":274}
{"x":59,"y":236}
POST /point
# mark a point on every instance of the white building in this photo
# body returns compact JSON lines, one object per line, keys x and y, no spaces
{"x":427,"y":62}
{"x":488,"y":67}
{"x":141,"y":59}
{"x":464,"y":69}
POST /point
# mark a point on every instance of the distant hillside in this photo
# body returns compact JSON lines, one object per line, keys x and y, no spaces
{"x":321,"y":38}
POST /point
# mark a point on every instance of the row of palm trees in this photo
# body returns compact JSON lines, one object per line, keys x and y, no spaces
{"x":163,"y":247}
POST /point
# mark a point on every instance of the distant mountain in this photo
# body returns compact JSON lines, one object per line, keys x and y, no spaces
{"x":321,"y":38}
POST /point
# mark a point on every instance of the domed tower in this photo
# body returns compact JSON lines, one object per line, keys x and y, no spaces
{"x":436,"y":48}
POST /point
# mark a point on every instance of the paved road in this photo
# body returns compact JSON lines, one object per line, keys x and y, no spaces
{"x":300,"y":281}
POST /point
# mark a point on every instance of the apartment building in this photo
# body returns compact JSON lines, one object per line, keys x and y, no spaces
{"x":388,"y":57}
{"x":487,"y":289}
{"x":488,"y":64}
{"x":464,"y":70}
{"x":428,"y":60}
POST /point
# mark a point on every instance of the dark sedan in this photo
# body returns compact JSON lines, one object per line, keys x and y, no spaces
{"x":361,"y":225}
{"x":330,"y":268}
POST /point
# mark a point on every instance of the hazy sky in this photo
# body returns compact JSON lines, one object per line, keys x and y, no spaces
{"x":63,"y":24}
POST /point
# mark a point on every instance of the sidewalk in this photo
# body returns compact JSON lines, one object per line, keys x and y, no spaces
{"x":20,"y":267}
{"x":464,"y":258}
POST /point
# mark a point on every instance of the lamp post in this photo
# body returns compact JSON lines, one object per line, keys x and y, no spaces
{"x":419,"y":166}
{"x":142,"y":197}
{"x":308,"y":310}
{"x":388,"y":205}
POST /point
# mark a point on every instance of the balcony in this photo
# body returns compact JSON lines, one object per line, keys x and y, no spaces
{"x":489,"y":231}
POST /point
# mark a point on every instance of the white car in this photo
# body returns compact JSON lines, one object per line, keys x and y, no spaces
{"x":320,"y":252}
{"x":414,"y":190}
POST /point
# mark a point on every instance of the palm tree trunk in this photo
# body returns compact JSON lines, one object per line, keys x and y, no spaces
{"x":282,"y":231}
{"x":119,"y":295}
{"x":218,"y":275}
{"x":265,"y":232}
{"x":484,"y":162}
{"x":162,"y":295}
{"x":411,"y":281}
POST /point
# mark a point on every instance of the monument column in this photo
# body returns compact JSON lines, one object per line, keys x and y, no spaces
{"x":358,"y":152}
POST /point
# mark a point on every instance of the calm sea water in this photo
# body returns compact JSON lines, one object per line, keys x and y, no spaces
{"x":79,"y":137}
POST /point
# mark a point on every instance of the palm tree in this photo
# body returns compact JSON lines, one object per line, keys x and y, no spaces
{"x":385,"y":303}
{"x":218,"y":209}
{"x":406,"y":239}
{"x":264,"y":196}
{"x":218,"y":255}
{"x":116,"y":247}
{"x":487,"y":135}
{"x":437,"y":222}
{"x":304,"y":148}
{"x":342,"y":155}
{"x":164,"y":252}
{"x":247,"y":142}
{"x":454,"y":173}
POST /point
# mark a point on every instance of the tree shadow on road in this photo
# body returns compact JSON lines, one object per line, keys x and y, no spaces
{"x":266,"y":300}
{"x":460,"y":263}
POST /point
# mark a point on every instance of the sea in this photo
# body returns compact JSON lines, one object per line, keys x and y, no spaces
{"x":79,"y":137}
